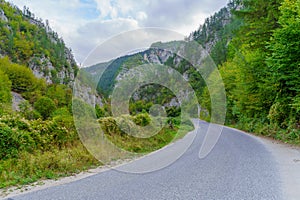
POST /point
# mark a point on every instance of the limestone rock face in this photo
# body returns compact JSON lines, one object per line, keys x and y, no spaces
{"x":3,"y":16}
{"x":17,"y":99}
{"x":45,"y":63}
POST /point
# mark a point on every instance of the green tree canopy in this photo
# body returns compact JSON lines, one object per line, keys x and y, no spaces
{"x":5,"y":88}
{"x":284,"y":61}
{"x":45,"y":106}
{"x":21,"y":77}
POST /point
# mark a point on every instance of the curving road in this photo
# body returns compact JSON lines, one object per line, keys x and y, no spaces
{"x":239,"y":167}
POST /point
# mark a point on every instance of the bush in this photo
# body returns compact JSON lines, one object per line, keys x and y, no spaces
{"x":63,"y":130}
{"x":60,"y":94}
{"x":136,"y":107}
{"x":8,"y":143}
{"x":5,"y":88}
{"x":100,"y":111}
{"x":64,"y":112}
{"x":45,"y":106}
{"x":82,"y":109}
{"x":278,"y":114}
{"x":28,"y":112}
{"x":142,"y":119}
{"x":173,"y":111}
{"x":21,"y":77}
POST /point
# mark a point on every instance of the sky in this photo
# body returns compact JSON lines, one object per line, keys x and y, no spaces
{"x":84,"y":24}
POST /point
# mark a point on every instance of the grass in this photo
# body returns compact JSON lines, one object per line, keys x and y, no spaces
{"x":289,"y":134}
{"x":29,"y":168}
{"x":165,"y":136}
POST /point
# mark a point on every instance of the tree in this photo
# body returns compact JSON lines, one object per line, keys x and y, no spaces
{"x":45,"y":106}
{"x":21,"y":77}
{"x":28,"y":112}
{"x":261,"y":19}
{"x":255,"y":94}
{"x":60,"y":94}
{"x":5,"y":88}
{"x":284,"y":61}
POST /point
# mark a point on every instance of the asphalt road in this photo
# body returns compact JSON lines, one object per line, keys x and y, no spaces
{"x":239,"y":167}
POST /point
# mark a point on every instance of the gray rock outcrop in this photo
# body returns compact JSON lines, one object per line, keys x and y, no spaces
{"x":17,"y":99}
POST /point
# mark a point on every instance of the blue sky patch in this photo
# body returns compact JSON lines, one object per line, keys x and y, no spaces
{"x":89,"y":9}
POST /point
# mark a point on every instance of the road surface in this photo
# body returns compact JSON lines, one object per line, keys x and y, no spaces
{"x":239,"y":167}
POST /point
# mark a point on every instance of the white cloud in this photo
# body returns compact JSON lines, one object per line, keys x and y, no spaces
{"x":106,"y":8}
{"x":85,"y":23}
{"x":128,"y":42}
{"x":93,"y":33}
{"x":141,"y":16}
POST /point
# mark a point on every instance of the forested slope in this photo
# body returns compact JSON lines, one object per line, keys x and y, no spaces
{"x":261,"y":70}
{"x":29,"y":41}
{"x":254,"y":43}
{"x":38,"y":139}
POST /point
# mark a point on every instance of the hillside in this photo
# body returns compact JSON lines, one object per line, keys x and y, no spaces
{"x":38,"y":138}
{"x":214,"y":36}
{"x":254,"y":45}
{"x":218,"y":30}
{"x":26,"y":40}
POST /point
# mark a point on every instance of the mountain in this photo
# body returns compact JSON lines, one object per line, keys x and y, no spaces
{"x":37,"y":71}
{"x":214,"y":36}
{"x":254,"y":45}
{"x":28,"y":41}
{"x":97,"y":70}
{"x":216,"y":32}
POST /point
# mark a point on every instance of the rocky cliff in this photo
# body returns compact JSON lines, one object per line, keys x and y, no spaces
{"x":214,"y":36}
{"x":29,"y":41}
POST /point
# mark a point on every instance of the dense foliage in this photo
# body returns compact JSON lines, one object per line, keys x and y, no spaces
{"x":284,"y":63}
{"x":261,"y":71}
{"x":256,"y":45}
{"x":38,"y":138}
{"x":43,"y":128}
{"x":167,"y":134}
{"x":31,"y":42}
{"x":5,"y":88}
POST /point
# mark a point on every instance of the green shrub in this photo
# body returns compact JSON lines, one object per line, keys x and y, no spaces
{"x":5,"y":88}
{"x":100,"y":111}
{"x":63,"y":130}
{"x":45,"y":106}
{"x":173,"y":111}
{"x":142,"y":119}
{"x":28,"y":112}
{"x":82,"y":110}
{"x":278,"y":113}
{"x":8,"y":143}
{"x":21,"y":77}
{"x":139,"y":106}
{"x":123,"y":140}
{"x":60,"y":94}
{"x":64,"y":112}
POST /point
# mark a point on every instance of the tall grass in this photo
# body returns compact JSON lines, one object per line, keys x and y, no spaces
{"x":31,"y":167}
